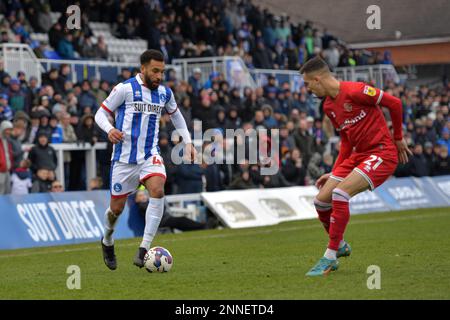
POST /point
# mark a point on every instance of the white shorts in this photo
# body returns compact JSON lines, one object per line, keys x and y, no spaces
{"x":125,"y":177}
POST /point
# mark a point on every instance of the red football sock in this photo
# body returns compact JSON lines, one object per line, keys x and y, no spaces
{"x":324,"y":210}
{"x":339,"y":217}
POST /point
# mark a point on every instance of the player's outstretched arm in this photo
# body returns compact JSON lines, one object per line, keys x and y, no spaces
{"x":394,"y":105}
{"x":180,"y":125}
{"x":373,"y":96}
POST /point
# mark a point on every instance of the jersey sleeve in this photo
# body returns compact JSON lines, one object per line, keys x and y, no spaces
{"x":364,"y":94}
{"x":367,"y":95}
{"x":115,"y":99}
{"x":171,"y":104}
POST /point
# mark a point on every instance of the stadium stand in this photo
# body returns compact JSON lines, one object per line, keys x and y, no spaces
{"x":60,"y":110}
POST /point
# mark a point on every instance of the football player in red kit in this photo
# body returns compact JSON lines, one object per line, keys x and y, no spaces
{"x":368,"y":153}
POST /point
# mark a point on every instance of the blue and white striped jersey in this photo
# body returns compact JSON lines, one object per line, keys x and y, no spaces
{"x":137,"y":111}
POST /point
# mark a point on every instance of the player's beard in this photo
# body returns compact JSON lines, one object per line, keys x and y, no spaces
{"x":150,"y":83}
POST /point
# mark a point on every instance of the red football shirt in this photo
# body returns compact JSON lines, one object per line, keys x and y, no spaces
{"x":356,"y":113}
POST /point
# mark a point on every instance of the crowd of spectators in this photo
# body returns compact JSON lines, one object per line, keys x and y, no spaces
{"x":181,"y":29}
{"x":33,"y":117}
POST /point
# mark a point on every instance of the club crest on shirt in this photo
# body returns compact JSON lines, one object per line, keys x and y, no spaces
{"x":162,"y":98}
{"x":137,"y":94}
{"x":347,"y":107}
{"x":370,"y":91}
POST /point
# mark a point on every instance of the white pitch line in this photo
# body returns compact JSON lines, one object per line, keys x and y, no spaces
{"x":228,"y":235}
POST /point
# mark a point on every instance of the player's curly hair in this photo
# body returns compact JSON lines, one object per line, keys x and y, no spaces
{"x":149,"y":55}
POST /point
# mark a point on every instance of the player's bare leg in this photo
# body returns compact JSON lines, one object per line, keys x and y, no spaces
{"x":111,"y":216}
{"x":153,"y":215}
{"x":353,"y":184}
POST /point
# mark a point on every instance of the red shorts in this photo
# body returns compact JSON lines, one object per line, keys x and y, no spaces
{"x":375,"y":166}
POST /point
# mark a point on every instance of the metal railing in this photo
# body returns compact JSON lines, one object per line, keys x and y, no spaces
{"x":233,"y":69}
{"x":20,"y":57}
{"x":90,"y":69}
{"x":378,"y":73}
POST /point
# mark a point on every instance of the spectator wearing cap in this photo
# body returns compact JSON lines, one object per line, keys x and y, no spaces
{"x":17,"y":98}
{"x":233,"y":121}
{"x":5,"y":110}
{"x":44,"y":127}
{"x":6,"y":157}
{"x":213,"y":77}
{"x":445,"y":138}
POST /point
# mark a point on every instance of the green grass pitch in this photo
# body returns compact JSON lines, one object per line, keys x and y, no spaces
{"x":410,"y":247}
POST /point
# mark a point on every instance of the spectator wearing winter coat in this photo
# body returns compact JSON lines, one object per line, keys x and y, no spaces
{"x":17,"y":97}
{"x":6,"y":157}
{"x":14,"y":139}
{"x":65,"y":47}
{"x":21,"y":179}
{"x":57,"y":132}
{"x":188,"y":178}
{"x":86,"y":130}
{"x":242,"y":181}
{"x":445,"y":138}
{"x":442,"y":163}
{"x":418,"y":162}
{"x":293,"y":168}
{"x":5,"y":110}
{"x":42,"y":155}
{"x":42,"y":183}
